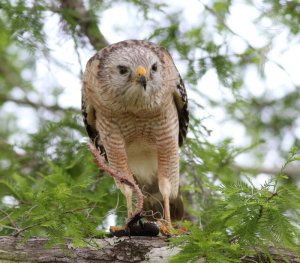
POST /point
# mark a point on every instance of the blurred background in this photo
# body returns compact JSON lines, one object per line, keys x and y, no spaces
{"x":240,"y":62}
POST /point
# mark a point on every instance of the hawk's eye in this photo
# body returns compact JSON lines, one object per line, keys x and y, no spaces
{"x":123,"y":69}
{"x":154,"y":67}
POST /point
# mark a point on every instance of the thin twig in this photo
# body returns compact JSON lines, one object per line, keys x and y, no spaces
{"x":24,"y":229}
{"x":292,"y":171}
{"x":25,"y":101}
{"x":8,"y":217}
{"x":266,"y":57}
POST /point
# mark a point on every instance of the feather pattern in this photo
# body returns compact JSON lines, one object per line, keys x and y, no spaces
{"x":138,"y":129}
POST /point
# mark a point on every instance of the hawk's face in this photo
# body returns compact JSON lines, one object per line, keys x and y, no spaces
{"x":134,"y":76}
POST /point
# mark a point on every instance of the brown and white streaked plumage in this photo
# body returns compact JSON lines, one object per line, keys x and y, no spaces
{"x":134,"y":105}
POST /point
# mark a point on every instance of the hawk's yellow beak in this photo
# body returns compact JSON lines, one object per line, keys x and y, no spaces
{"x":141,"y":76}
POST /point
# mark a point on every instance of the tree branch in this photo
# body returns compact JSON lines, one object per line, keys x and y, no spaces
{"x":124,"y":249}
{"x":291,"y":171}
{"x":36,"y":105}
{"x":134,"y":249}
{"x":75,"y":13}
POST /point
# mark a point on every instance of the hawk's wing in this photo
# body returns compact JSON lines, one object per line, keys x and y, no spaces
{"x":180,"y":99}
{"x":181,"y":102}
{"x":89,"y":119}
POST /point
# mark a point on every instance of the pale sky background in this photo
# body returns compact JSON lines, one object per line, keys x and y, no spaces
{"x":240,"y":20}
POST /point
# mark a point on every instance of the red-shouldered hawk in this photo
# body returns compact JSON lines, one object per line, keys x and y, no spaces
{"x":134,"y":105}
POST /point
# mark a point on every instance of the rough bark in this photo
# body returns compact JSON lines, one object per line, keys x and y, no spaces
{"x":124,"y":249}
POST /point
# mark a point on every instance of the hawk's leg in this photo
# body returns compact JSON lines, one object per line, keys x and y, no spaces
{"x":127,"y":191}
{"x":167,"y":211}
{"x":168,"y":173}
{"x":117,"y":158}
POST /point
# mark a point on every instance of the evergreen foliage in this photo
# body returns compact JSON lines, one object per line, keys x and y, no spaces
{"x":243,"y":218}
{"x":49,"y":183}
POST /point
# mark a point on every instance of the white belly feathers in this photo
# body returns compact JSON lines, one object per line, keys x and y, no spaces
{"x":142,"y":159}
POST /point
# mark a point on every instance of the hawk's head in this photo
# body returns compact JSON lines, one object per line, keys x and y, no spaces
{"x":131,"y":74}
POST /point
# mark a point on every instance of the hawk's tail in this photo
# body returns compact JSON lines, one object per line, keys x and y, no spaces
{"x":154,"y":208}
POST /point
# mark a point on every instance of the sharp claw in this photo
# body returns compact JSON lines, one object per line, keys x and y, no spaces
{"x":164,"y":228}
